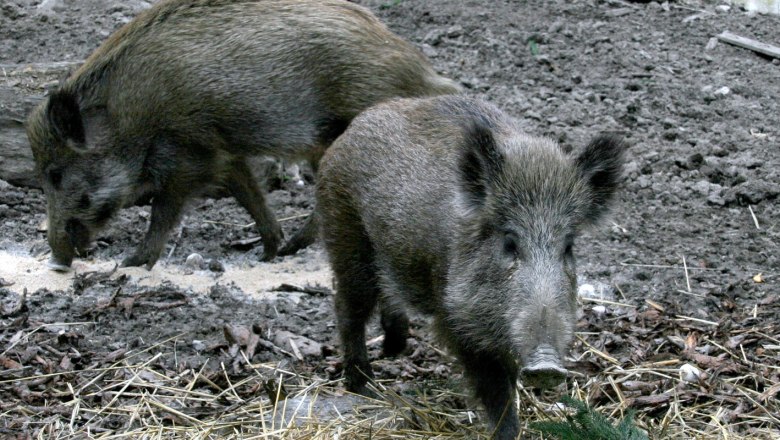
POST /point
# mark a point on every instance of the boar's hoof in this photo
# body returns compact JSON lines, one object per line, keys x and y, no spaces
{"x":137,"y":260}
{"x":543,"y":369}
{"x":57,"y":266}
{"x":356,"y":379}
{"x":268,"y":254}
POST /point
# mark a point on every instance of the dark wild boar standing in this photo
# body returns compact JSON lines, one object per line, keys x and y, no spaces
{"x":175,"y":101}
{"x":485,"y":245}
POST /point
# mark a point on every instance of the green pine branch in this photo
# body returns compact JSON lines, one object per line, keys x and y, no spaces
{"x":587,"y":424}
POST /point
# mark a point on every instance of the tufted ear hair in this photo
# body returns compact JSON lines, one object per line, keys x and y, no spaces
{"x":480,"y":163}
{"x":601,"y":164}
{"x":64,"y":117}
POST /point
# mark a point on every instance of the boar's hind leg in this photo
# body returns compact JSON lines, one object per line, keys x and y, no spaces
{"x":303,"y":238}
{"x":166,"y":210}
{"x":308,"y":233}
{"x":244,"y":189}
{"x":357,"y":291}
{"x":494,"y":382}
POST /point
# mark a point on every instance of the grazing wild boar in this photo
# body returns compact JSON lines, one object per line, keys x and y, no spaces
{"x":176,"y":100}
{"x":485,"y":246}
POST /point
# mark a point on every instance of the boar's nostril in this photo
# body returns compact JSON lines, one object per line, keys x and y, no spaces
{"x":543,"y":369}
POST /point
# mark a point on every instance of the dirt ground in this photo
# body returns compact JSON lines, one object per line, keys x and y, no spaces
{"x":688,"y":261}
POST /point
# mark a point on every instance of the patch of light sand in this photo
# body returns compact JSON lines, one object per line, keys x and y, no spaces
{"x":32,"y":273}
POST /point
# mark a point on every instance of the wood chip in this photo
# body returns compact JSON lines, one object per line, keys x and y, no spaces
{"x":747,"y":43}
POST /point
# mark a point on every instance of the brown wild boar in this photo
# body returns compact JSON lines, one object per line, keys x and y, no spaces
{"x":486,"y":246}
{"x":176,"y":100}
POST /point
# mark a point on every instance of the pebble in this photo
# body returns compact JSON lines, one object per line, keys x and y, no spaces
{"x":689,"y":373}
{"x":433,"y":37}
{"x":455,"y":31}
{"x":216,"y":266}
{"x":198,"y":345}
{"x":306,"y":347}
{"x":595,"y":289}
{"x":195,"y":261}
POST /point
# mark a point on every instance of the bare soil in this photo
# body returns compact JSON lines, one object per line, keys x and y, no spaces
{"x":691,"y":250}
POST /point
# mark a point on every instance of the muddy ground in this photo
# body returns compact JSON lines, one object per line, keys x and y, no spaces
{"x":695,"y":231}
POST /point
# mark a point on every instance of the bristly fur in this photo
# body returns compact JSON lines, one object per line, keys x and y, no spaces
{"x":444,"y":205}
{"x":176,"y":100}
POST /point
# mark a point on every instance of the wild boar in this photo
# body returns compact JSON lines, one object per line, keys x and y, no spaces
{"x":444,"y":205}
{"x":176,"y":100}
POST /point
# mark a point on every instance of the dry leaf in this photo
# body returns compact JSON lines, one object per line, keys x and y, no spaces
{"x":9,"y":364}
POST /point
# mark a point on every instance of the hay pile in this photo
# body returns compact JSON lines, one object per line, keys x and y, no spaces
{"x":685,"y":377}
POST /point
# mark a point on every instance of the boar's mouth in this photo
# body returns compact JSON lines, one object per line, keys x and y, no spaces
{"x":543,"y":368}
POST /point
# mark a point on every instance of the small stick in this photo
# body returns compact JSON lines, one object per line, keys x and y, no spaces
{"x":214,"y":222}
{"x":598,"y":352}
{"x":698,"y":295}
{"x":177,"y":413}
{"x":249,"y":225}
{"x":604,"y":301}
{"x":295,"y":349}
{"x":747,"y":43}
{"x":687,"y":278}
{"x":665,"y":266}
{"x":753,"y":214}
{"x":691,"y":318}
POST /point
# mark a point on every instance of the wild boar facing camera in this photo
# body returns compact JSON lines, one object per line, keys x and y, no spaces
{"x":486,"y":246}
{"x":176,"y":100}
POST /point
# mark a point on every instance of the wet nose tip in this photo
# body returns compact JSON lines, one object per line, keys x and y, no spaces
{"x":544,"y":375}
{"x":543,"y":369}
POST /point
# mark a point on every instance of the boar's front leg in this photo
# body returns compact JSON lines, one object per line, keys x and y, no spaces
{"x":494,"y":382}
{"x":166,"y":211}
{"x":244,"y":189}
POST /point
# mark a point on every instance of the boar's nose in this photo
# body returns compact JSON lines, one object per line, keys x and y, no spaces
{"x":543,"y":368}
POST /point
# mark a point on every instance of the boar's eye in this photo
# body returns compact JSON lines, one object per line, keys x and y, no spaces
{"x":84,"y":201}
{"x":511,"y":246}
{"x":55,"y":177}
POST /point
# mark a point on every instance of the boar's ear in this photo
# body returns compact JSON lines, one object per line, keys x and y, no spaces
{"x":64,"y":116}
{"x":600,"y":165}
{"x":480,"y":163}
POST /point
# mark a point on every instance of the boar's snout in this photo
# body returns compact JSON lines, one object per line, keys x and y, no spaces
{"x":543,"y":368}
{"x":66,"y":242}
{"x":62,"y":251}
